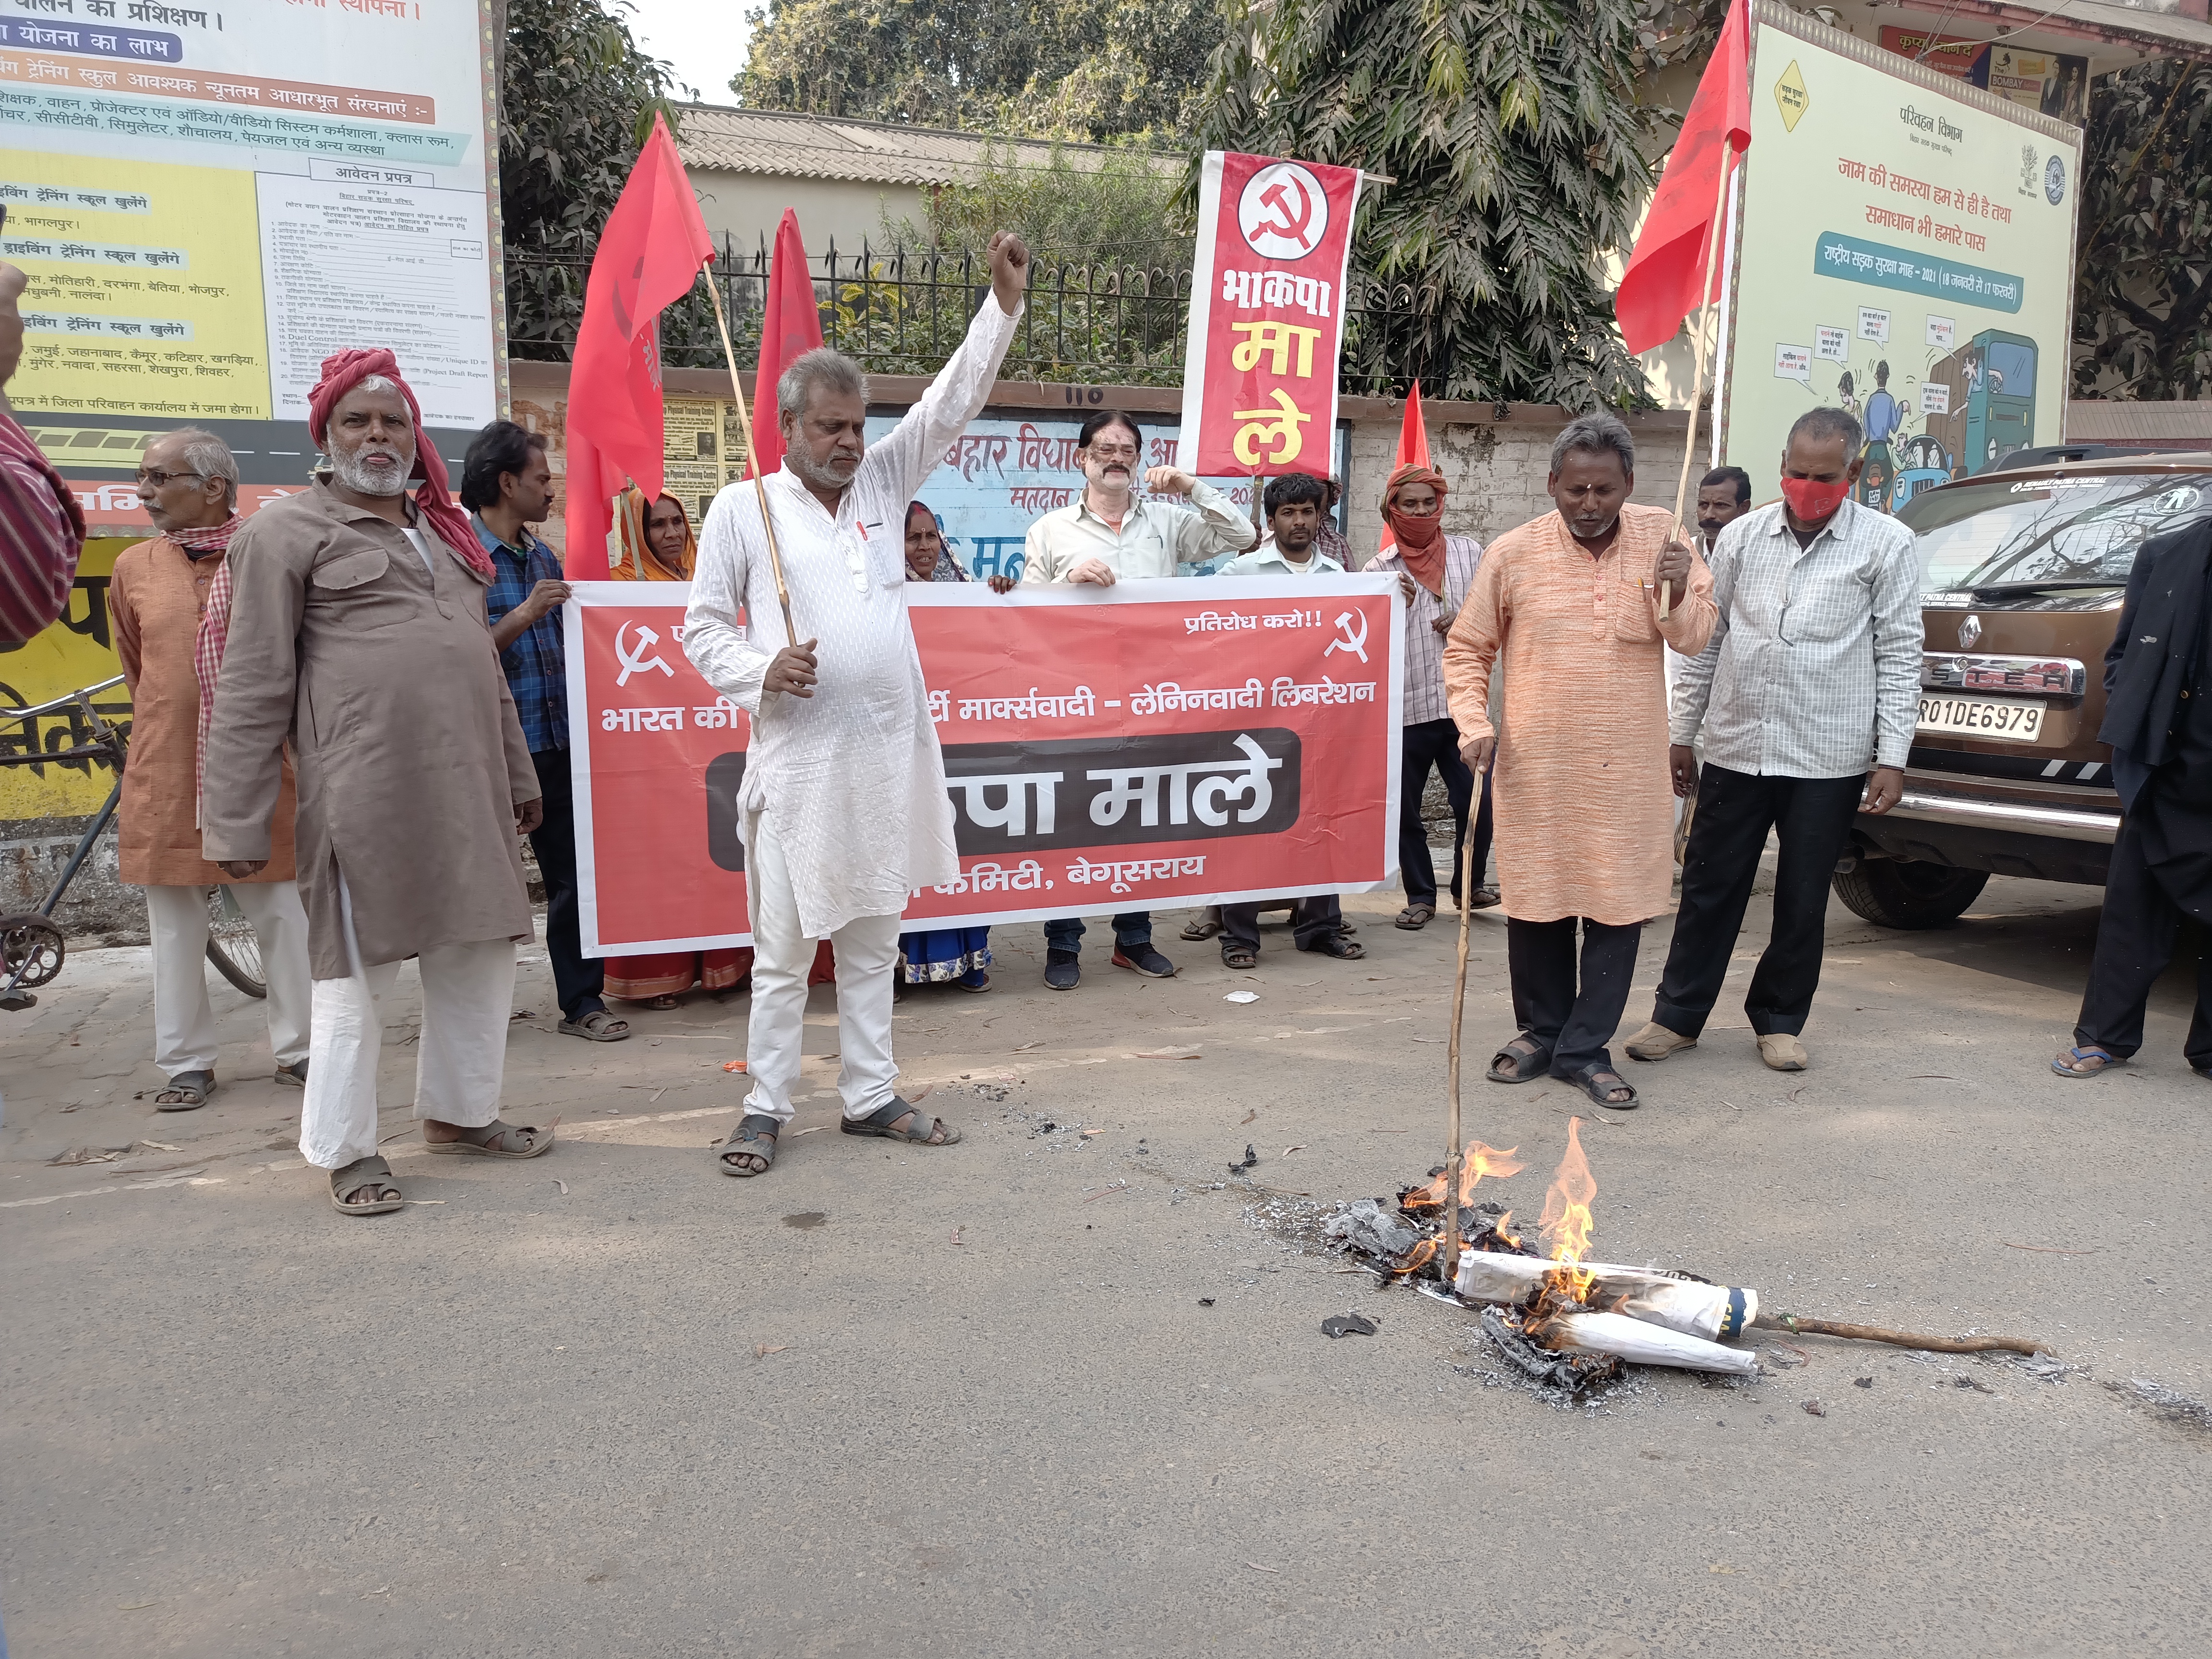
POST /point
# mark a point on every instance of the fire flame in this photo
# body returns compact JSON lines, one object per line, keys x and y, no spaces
{"x":1475,"y":1163}
{"x":1566,"y":1225}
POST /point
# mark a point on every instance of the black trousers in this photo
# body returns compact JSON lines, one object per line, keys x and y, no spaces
{"x":1313,"y":919}
{"x":577,"y":979}
{"x":1424,"y":745}
{"x":2135,"y":938}
{"x":1812,"y":819}
{"x":1574,"y":1022}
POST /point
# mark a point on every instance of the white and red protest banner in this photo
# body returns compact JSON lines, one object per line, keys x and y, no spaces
{"x":1155,"y":743}
{"x":1266,"y":315}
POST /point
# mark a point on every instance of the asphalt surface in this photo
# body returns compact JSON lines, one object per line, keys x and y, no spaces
{"x":1055,"y":1392}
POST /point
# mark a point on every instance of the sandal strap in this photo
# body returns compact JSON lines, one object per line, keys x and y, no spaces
{"x":368,"y":1171}
{"x":754,"y":1126}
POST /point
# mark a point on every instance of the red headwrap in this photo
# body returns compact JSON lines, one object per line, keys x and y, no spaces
{"x":1420,"y":539}
{"x":344,"y":370}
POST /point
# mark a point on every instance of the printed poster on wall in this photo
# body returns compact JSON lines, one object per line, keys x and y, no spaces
{"x":1256,"y":756}
{"x":1906,"y":251}
{"x":211,"y":199}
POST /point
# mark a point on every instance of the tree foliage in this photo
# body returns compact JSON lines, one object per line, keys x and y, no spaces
{"x":577,"y":99}
{"x":1118,"y":205}
{"x":1511,"y":130}
{"x":1033,"y":68}
{"x":2143,"y":308}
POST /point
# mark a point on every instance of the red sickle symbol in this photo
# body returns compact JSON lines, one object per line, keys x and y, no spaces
{"x":1291,"y":224}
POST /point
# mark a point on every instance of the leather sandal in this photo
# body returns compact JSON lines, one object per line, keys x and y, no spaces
{"x":370,"y":1176}
{"x":496,"y":1139}
{"x":1522,"y":1061}
{"x":754,"y":1137}
{"x":922,"y":1130}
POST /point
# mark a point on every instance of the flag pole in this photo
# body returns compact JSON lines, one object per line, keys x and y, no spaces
{"x":752,"y":460}
{"x":1698,"y":383}
{"x":1469,"y":875}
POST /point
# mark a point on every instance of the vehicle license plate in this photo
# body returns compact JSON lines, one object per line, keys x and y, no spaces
{"x":1981,"y":717}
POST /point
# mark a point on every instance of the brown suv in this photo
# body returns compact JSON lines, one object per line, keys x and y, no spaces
{"x":2023,"y":572}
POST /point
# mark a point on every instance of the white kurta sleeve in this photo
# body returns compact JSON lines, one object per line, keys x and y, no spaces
{"x":1218,"y":527}
{"x":903,"y":460}
{"x":720,"y":646}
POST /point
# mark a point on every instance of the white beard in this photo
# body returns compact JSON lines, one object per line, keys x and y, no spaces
{"x":351,"y":472}
{"x":821,"y":478}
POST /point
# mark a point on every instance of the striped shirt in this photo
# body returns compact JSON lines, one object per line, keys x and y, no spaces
{"x":41,"y":534}
{"x":1425,"y":642}
{"x":1813,"y":669}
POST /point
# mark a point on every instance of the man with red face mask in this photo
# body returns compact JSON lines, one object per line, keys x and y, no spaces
{"x":1811,"y":680}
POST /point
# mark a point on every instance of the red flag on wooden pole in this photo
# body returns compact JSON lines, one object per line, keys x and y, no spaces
{"x":790,"y":325}
{"x":649,"y":255}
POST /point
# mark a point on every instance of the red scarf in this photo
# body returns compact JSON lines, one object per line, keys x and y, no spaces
{"x":344,"y":370}
{"x":1421,"y":540}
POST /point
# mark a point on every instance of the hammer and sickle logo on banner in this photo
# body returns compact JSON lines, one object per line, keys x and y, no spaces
{"x":636,"y":662}
{"x":1354,"y":642}
{"x":1283,"y":211}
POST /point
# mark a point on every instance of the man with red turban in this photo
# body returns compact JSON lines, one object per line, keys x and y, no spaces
{"x":1435,"y":570}
{"x":357,"y":632}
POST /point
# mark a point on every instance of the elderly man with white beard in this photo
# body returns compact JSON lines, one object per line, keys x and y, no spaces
{"x":356,"y":630}
{"x":843,"y":807}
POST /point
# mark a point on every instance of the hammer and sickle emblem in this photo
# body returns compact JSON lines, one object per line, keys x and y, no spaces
{"x":1289,"y":222}
{"x":636,"y":662}
{"x":1354,"y":642}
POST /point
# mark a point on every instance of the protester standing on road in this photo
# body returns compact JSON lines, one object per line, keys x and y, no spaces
{"x":158,"y":598}
{"x":1108,"y":535}
{"x":1291,"y":548}
{"x":1435,"y":571}
{"x":41,"y":526}
{"x":507,"y":486}
{"x":2158,"y":720}
{"x":1810,"y":682}
{"x":358,"y":628}
{"x":1724,"y":496}
{"x":940,"y":956}
{"x":1568,"y":606}
{"x":652,"y":542}
{"x":843,"y":809}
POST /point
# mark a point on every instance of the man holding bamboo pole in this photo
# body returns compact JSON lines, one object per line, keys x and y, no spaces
{"x":842,"y":808}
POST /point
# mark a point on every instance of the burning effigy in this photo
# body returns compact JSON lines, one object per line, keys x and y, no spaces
{"x":1565,"y":1320}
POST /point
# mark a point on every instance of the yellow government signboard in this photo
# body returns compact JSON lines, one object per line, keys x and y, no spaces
{"x":76,"y":651}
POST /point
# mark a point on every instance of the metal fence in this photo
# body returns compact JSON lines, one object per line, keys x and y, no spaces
{"x":1090,"y":321}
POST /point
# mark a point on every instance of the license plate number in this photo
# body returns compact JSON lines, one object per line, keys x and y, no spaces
{"x":1983,"y":717}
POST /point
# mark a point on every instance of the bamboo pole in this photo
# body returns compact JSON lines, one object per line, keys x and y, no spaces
{"x":1453,"y":1153}
{"x":752,"y":460}
{"x":1797,"y":1327}
{"x":1713,"y":235}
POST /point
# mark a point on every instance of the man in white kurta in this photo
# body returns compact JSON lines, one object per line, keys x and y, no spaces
{"x":843,"y":807}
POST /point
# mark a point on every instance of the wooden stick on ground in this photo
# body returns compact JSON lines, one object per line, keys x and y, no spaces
{"x":1452,"y":1152}
{"x":1698,"y":383}
{"x":752,"y":459}
{"x":1797,"y":1327}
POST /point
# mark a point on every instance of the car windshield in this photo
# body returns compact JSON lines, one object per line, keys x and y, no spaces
{"x":2074,"y":530}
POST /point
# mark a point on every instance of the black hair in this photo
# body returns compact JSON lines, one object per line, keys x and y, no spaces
{"x":1291,"y":488}
{"x":1881,"y":373}
{"x":1729,"y":475}
{"x":1104,"y":418}
{"x":500,"y":448}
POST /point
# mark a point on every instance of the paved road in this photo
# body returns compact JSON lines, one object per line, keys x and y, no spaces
{"x":981,"y":1408}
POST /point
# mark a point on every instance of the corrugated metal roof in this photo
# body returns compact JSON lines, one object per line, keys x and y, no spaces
{"x":784,"y":145}
{"x":2092,"y":423}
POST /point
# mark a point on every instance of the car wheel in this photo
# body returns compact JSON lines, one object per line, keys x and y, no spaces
{"x":1895,"y":893}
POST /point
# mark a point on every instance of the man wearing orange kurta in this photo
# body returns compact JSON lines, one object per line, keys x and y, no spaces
{"x":1568,"y":607}
{"x":188,"y":482}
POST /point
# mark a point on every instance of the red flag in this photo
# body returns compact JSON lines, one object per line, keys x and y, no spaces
{"x":649,"y":255}
{"x":1659,"y":287}
{"x":791,"y":325}
{"x":1412,"y":451}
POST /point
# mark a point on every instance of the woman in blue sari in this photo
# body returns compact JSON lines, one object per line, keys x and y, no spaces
{"x":940,"y":955}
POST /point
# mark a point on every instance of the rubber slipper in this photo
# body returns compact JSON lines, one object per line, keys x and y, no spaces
{"x":187,"y":1091}
{"x":498,"y":1139}
{"x":878,"y":1124}
{"x":371,"y":1172}
{"x":1515,"y":1064}
{"x":754,"y":1137}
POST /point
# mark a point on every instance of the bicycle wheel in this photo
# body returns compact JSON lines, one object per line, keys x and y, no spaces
{"x":232,"y":945}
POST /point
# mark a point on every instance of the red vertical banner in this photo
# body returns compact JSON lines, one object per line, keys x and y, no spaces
{"x":1266,"y":315}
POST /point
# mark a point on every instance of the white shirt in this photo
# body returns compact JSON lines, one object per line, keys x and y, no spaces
{"x":1814,"y":667}
{"x":1424,"y":698}
{"x":853,"y":775}
{"x":1152,"y":541}
{"x":1268,"y":560}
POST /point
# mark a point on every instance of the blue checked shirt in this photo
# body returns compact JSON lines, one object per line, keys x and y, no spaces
{"x":537,"y":669}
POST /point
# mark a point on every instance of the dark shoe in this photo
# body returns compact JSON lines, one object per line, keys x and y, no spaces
{"x":1063,"y":970}
{"x":1143,"y":959}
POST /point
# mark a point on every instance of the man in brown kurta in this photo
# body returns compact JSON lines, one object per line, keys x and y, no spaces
{"x":188,"y":482}
{"x":1568,"y":605}
{"x":357,"y":630}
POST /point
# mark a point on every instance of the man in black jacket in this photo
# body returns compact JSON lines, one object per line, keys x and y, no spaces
{"x":2158,"y":680}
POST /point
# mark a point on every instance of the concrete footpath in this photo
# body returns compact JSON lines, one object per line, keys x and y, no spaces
{"x":1062,"y":1388}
